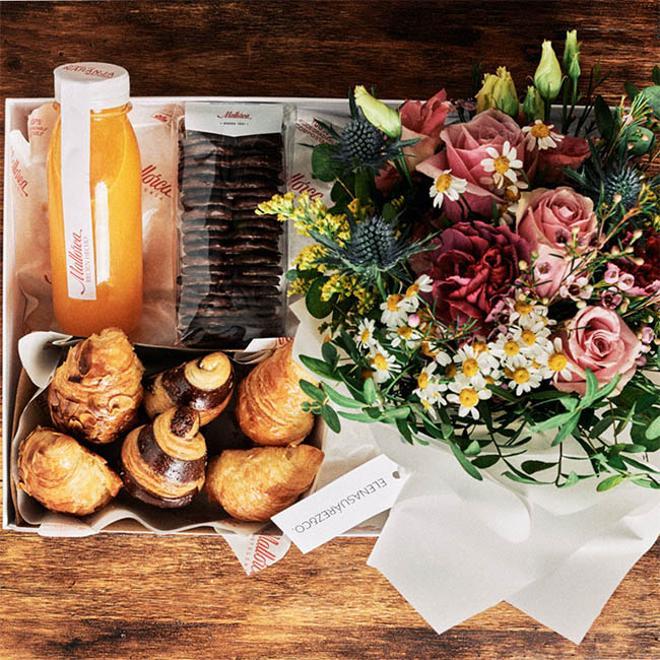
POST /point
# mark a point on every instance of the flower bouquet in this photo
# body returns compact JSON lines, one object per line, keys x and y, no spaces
{"x":488,"y":274}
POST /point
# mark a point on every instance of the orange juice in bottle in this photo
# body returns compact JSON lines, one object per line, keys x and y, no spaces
{"x":94,"y":201}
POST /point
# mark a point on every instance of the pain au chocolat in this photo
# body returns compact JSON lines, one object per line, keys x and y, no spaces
{"x":269,"y":408}
{"x":255,"y":484}
{"x":164,"y":463}
{"x":96,"y":393}
{"x":64,"y":476}
{"x":204,"y":385}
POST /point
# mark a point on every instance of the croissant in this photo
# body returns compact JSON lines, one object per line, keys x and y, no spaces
{"x":205,"y":385}
{"x":95,"y":394}
{"x":163,"y":463}
{"x":64,"y":476}
{"x":269,"y":404}
{"x":255,"y":484}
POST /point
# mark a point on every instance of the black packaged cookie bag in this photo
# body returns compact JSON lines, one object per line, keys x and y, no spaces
{"x":230,"y":282}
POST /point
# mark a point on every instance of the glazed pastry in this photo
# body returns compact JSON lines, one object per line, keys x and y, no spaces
{"x":64,"y":476}
{"x":205,"y":385}
{"x":269,"y":401}
{"x":163,"y":463}
{"x":255,"y":484}
{"x":96,"y":393}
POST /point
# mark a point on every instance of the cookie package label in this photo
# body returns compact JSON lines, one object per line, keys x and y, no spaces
{"x":234,"y":119}
{"x":341,"y":505}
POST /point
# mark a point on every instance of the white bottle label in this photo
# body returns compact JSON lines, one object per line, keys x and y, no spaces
{"x":76,"y":203}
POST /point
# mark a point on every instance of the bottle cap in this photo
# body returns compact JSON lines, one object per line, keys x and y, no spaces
{"x":106,"y":85}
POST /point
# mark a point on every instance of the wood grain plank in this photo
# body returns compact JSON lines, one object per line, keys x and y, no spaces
{"x":187,"y":597}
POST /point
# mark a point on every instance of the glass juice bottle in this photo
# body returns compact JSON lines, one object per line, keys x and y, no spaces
{"x":94,"y":201}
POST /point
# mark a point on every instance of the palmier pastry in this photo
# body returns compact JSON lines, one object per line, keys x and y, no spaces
{"x":205,"y":385}
{"x":64,"y":476}
{"x":95,"y":394}
{"x":163,"y":463}
{"x":269,"y":409}
{"x":255,"y":484}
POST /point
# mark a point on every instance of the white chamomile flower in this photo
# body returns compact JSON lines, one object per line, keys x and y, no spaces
{"x":404,"y":334}
{"x":541,"y":136}
{"x":442,"y":358}
{"x":474,"y":361}
{"x":383,"y":364}
{"x":555,"y":362}
{"x":533,"y":340}
{"x":423,"y":284}
{"x":527,"y":313}
{"x":502,"y":165}
{"x":429,"y":389}
{"x":524,"y":378}
{"x":467,"y":392}
{"x":394,"y":310}
{"x":365,"y":336}
{"x":506,"y":348}
{"x":447,"y":185}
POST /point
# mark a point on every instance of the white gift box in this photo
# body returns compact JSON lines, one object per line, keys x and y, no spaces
{"x":452,"y":546}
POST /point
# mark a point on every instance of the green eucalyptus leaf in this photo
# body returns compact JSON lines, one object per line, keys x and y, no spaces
{"x":312,"y":391}
{"x":356,"y":417}
{"x":570,"y":480}
{"x":340,"y":399}
{"x":530,"y":467}
{"x":610,"y":482}
{"x":404,"y":429}
{"x":631,"y":90}
{"x":401,"y":412}
{"x":485,"y":460}
{"x":566,"y":429}
{"x":369,"y":390}
{"x":329,"y":353}
{"x":472,"y":449}
{"x":552,"y":422}
{"x":319,"y":367}
{"x":330,"y":418}
{"x":316,"y":306}
{"x":465,"y":463}
{"x":655,"y":75}
{"x":519,"y":478}
{"x":653,"y":430}
{"x":646,"y":482}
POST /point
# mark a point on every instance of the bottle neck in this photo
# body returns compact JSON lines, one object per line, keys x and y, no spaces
{"x":106,"y":112}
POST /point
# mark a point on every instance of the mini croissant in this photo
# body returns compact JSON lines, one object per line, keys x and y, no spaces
{"x":269,"y":401}
{"x":64,"y":476}
{"x":95,"y":394}
{"x":255,"y":484}
{"x":205,"y":385}
{"x":163,"y":463}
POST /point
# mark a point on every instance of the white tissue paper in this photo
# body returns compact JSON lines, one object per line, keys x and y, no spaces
{"x":454,"y":546}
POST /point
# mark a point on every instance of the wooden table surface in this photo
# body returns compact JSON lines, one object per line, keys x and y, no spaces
{"x":143,"y":596}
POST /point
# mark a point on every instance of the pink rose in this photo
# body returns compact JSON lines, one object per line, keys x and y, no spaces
{"x":598,"y":339}
{"x":550,"y":270}
{"x":466,"y":147}
{"x":569,"y":152}
{"x":555,"y":218}
{"x":423,"y":120}
{"x":426,"y":118}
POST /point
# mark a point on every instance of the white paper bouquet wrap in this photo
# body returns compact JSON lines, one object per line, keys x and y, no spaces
{"x":454,"y":546}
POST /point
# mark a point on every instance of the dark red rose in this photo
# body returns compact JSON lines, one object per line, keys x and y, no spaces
{"x":472,"y":266}
{"x":569,"y":152}
{"x":647,"y":274}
